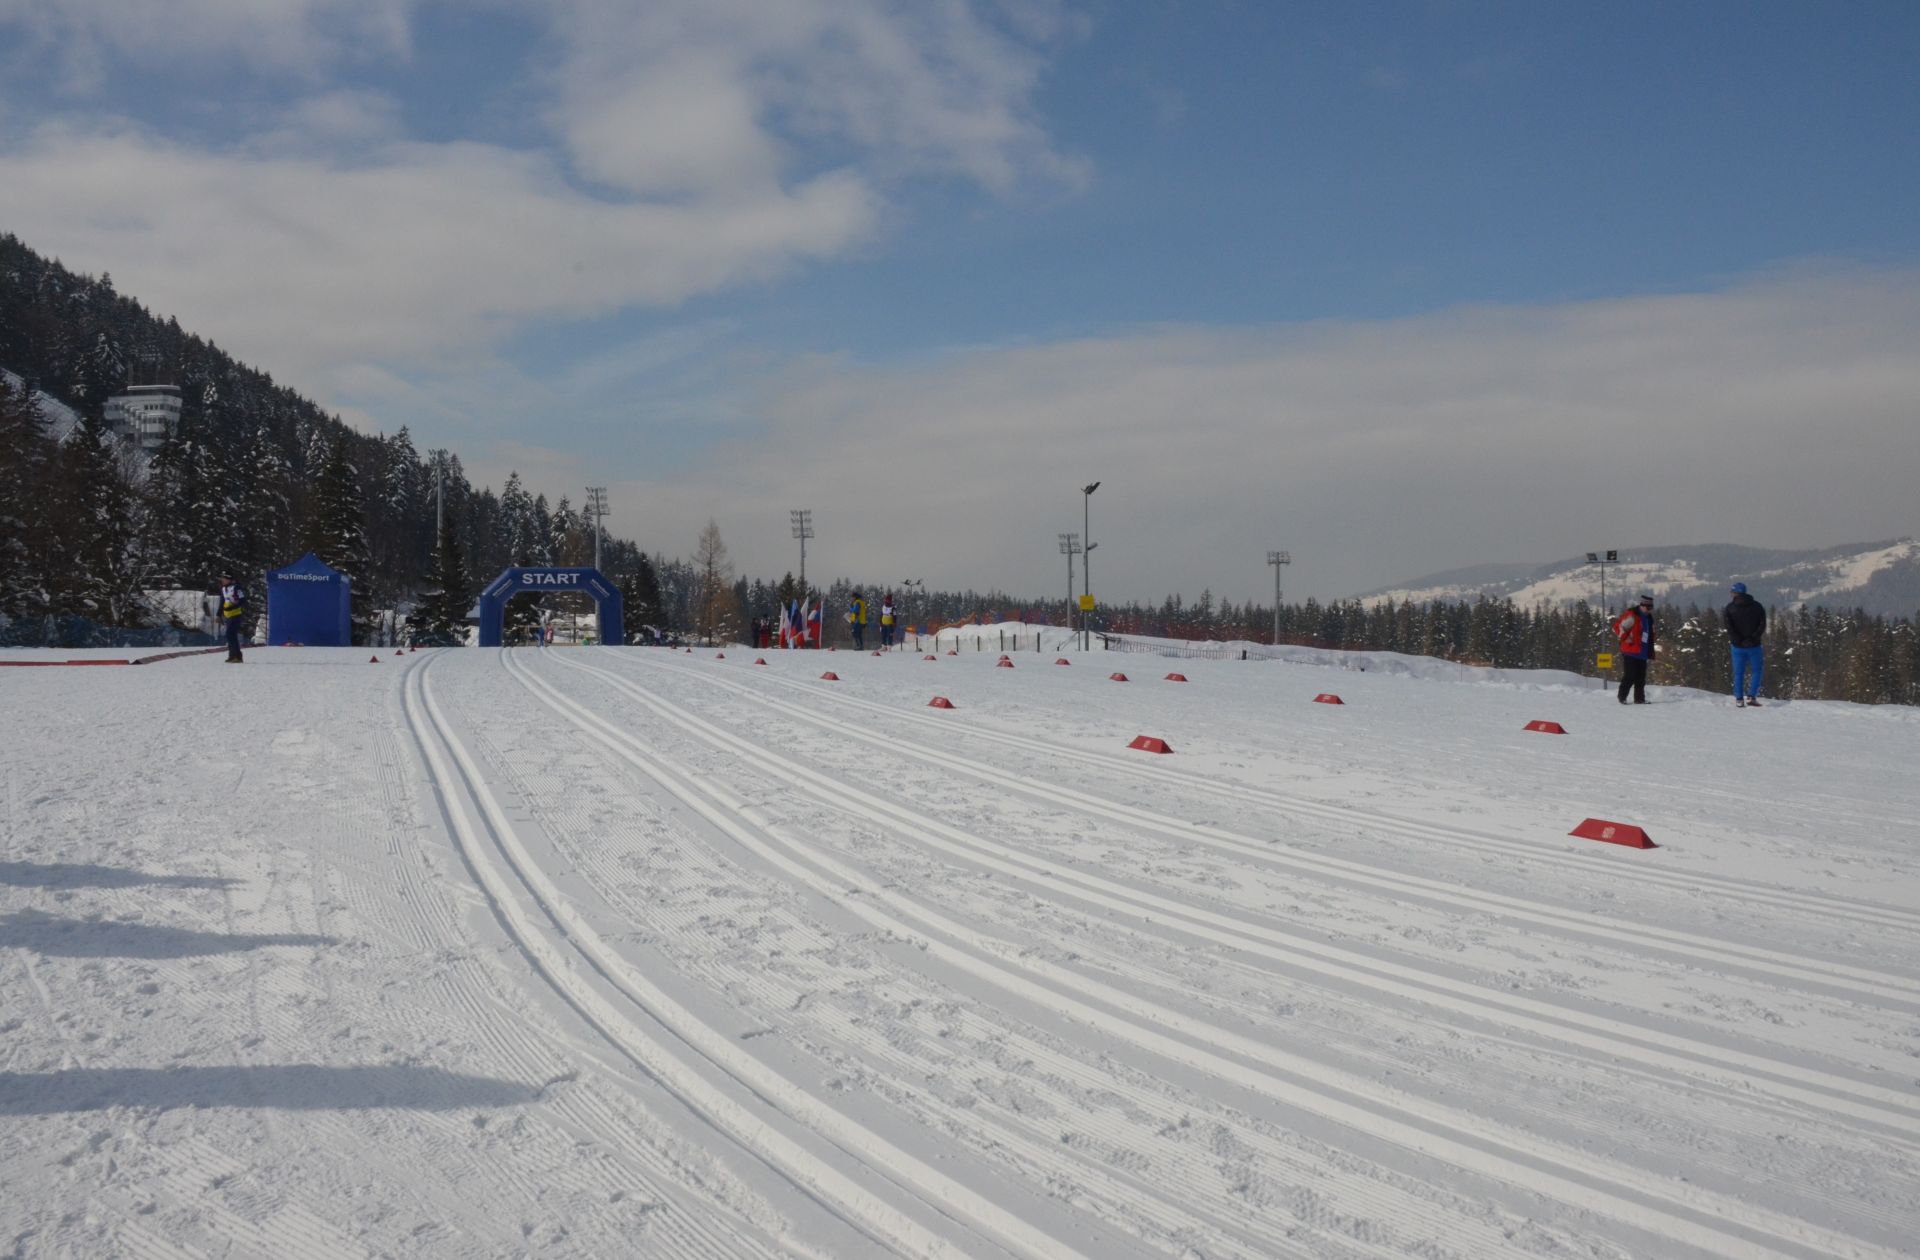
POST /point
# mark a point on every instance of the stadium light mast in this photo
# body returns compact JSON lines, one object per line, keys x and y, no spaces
{"x":803,"y":530}
{"x":1069,"y":547}
{"x":1279,"y":560}
{"x":909,"y":585}
{"x":1611,"y":557}
{"x":596,"y":508}
{"x":1086,"y":567}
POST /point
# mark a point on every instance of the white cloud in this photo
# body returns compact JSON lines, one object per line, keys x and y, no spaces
{"x":1780,"y":412}
{"x":692,"y":95}
{"x":302,"y":37}
{"x":417,"y":253}
{"x":699,"y":145}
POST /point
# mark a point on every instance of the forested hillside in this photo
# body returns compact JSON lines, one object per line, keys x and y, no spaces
{"x":256,"y":475}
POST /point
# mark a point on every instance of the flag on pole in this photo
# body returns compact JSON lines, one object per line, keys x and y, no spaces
{"x":813,"y":626}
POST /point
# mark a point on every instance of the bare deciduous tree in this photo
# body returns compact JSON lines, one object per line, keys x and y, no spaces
{"x":715,"y":608}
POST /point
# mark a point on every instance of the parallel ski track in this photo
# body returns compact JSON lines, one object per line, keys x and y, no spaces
{"x":1163,"y":1202}
{"x":1618,"y":1046}
{"x":629,"y":1160}
{"x":1894,"y":1111}
{"x":1826,"y":905}
{"x":562,"y":946}
{"x":1640,"y":1200}
{"x":1857,"y":981}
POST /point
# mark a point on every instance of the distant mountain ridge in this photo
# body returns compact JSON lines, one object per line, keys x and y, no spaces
{"x":1881,"y":577}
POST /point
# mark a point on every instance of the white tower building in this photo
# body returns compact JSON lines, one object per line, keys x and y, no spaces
{"x":145,"y":416}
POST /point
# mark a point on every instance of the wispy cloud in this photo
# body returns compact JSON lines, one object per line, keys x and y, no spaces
{"x":1375,"y":451}
{"x":696,"y":146}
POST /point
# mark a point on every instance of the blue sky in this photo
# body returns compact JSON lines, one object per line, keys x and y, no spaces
{"x":1399,"y":286}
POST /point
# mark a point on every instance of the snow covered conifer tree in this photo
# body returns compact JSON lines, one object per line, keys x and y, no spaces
{"x":337,"y":530}
{"x":448,"y":592}
{"x":23,"y":457}
{"x":95,"y":571}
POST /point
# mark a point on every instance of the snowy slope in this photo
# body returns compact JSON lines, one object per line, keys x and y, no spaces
{"x":1882,"y":577}
{"x":610,"y":952}
{"x":58,"y":419}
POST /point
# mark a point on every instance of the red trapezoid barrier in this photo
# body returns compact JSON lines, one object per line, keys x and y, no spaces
{"x":929,"y":658}
{"x":829,"y":676}
{"x":939,"y":702}
{"x":759,"y":660}
{"x":1546,"y":728}
{"x":1003,"y":663}
{"x":1063,"y":661}
{"x":1327,"y":697}
{"x":1147,"y":743}
{"x":1613,"y":833}
{"x":1176,"y":678}
{"x":1116,"y":678}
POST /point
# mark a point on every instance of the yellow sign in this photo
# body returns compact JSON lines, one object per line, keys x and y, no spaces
{"x":1603,"y":660}
{"x":1086,"y":603}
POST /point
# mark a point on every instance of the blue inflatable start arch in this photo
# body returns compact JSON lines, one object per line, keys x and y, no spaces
{"x":589,"y":582}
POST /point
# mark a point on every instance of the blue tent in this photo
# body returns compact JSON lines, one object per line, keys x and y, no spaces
{"x":310,"y":604}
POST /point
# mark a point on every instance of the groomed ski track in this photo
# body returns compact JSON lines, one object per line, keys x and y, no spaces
{"x":605,"y":704}
{"x":585,"y":952}
{"x":1898,"y":1111}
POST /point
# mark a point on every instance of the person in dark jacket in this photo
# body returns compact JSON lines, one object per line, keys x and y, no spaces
{"x":233,"y":609}
{"x":1746,"y":621}
{"x":1634,"y":629}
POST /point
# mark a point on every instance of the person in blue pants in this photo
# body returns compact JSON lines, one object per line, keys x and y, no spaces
{"x":1746,"y":621}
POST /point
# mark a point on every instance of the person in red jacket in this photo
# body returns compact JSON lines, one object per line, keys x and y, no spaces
{"x":1634,"y":629}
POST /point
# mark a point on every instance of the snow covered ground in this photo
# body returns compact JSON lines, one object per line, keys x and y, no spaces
{"x":627,"y":952}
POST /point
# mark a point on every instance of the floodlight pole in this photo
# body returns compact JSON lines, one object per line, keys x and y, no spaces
{"x":597,"y":507}
{"x":1086,"y":565}
{"x":1611,"y":557}
{"x":1069,"y":547}
{"x":1279,"y":560}
{"x":803,"y":530}
{"x":908,"y":584}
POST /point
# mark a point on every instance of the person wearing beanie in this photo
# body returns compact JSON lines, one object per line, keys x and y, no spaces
{"x":1634,"y":629}
{"x":1746,"y":621}
{"x":233,"y":607}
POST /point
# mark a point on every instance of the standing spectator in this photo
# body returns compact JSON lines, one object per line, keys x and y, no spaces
{"x":1746,"y":621}
{"x":1634,"y":627}
{"x":857,"y":618}
{"x":233,"y":610}
{"x":886,"y":621}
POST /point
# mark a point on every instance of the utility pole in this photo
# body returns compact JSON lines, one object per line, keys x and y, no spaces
{"x":803,"y":530}
{"x":1070,"y":547}
{"x":1086,"y":566}
{"x":1279,"y":560}
{"x":597,"y":507}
